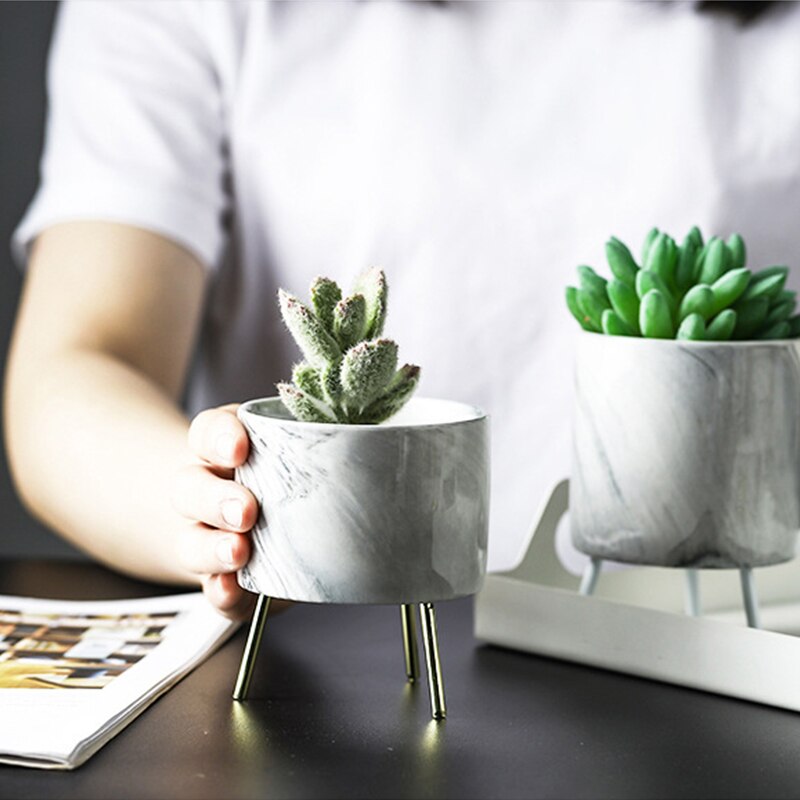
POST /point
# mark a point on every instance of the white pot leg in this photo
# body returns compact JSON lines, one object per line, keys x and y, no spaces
{"x":749,"y":596}
{"x":692,"y":600}
{"x":590,"y":575}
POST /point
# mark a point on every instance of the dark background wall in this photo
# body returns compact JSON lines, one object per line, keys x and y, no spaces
{"x":24,"y":37}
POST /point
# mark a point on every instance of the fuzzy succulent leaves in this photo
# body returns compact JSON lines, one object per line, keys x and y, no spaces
{"x":400,"y":388}
{"x":303,"y":406}
{"x":348,"y":375}
{"x":307,"y":379}
{"x":695,"y":282}
{"x":372,"y":285}
{"x":325,"y":294}
{"x":350,"y":320}
{"x":367,"y":369}
{"x":308,"y":330}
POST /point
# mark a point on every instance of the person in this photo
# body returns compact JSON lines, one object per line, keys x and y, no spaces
{"x":199,"y":155}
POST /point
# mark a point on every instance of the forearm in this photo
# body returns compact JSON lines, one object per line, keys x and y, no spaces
{"x":93,"y":444}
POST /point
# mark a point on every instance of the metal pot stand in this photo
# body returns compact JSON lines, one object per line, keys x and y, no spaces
{"x":430,"y":642}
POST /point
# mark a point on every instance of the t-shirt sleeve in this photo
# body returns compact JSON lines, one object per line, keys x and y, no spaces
{"x":135,"y":130}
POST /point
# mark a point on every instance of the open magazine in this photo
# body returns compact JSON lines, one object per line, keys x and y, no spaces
{"x":73,"y":674}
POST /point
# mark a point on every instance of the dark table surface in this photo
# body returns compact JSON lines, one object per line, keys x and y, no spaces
{"x":330,"y":715}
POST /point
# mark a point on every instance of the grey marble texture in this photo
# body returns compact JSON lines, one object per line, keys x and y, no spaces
{"x":686,"y":453}
{"x":390,"y":513}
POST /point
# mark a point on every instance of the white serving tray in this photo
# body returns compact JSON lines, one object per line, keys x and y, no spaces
{"x":635,"y":622}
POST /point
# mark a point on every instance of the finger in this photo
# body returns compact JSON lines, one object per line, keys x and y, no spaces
{"x":217,"y":436}
{"x":225,"y":594}
{"x":198,"y":494}
{"x":203,"y":551}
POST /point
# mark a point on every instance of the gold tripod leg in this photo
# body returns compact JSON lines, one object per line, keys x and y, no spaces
{"x":410,"y":642}
{"x":427,"y":616}
{"x":251,"y":648}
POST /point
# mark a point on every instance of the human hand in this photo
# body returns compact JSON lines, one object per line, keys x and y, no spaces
{"x":218,"y":511}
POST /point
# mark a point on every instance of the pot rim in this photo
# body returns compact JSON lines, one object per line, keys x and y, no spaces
{"x":584,"y":334}
{"x":466,"y":414}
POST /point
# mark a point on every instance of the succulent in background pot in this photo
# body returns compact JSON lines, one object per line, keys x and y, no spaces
{"x":686,"y":453}
{"x":353,"y":511}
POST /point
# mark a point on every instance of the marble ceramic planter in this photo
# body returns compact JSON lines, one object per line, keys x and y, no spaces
{"x":686,"y":454}
{"x":391,"y":513}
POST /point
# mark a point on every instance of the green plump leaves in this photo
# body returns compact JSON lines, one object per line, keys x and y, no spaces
{"x":621,"y":262}
{"x":591,"y":281}
{"x":647,"y":280}
{"x":728,"y":288}
{"x":684,"y":271}
{"x":648,"y":243}
{"x":715,"y":262}
{"x":613,"y":325}
{"x":662,"y":259}
{"x":693,"y":283}
{"x":695,"y":235}
{"x":625,"y":303}
{"x":583,"y":318}
{"x":750,"y":316}
{"x":692,"y":328}
{"x":779,"y":313}
{"x":698,"y":300}
{"x":721,"y":327}
{"x":780,"y":330}
{"x":592,"y":305}
{"x":737,"y":250}
{"x":655,"y":318}
{"x":766,"y":283}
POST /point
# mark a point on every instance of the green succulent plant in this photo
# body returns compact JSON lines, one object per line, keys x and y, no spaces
{"x":696,"y":290}
{"x":350,"y":372}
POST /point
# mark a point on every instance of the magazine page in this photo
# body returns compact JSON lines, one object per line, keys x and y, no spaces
{"x":73,"y":674}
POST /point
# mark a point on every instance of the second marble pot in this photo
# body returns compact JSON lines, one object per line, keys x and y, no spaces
{"x":686,"y":454}
{"x":391,"y":513}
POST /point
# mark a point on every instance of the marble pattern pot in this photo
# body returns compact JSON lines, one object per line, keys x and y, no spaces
{"x":390,"y":513}
{"x":686,"y":454}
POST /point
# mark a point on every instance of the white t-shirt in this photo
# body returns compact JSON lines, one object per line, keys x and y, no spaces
{"x":478,"y":152}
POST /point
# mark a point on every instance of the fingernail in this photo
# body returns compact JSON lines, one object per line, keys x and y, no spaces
{"x":224,"y":551}
{"x":232,"y":512}
{"x":226,"y":446}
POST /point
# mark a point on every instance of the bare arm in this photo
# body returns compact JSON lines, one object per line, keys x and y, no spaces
{"x":104,"y":335}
